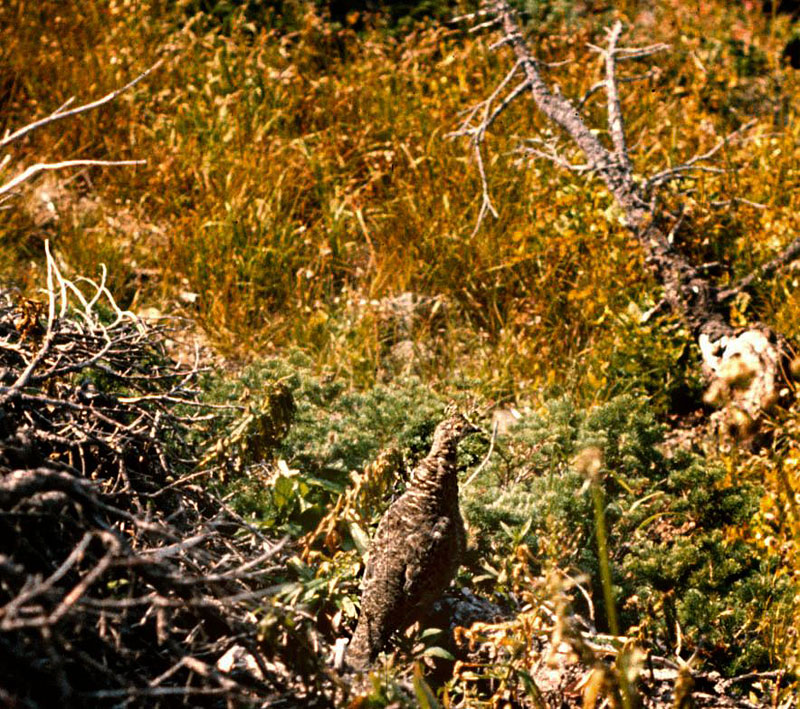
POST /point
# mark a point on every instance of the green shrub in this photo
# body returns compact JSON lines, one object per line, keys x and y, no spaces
{"x":335,"y":431}
{"x":669,"y":514}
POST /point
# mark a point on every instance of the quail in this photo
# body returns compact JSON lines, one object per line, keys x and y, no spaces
{"x":416,"y":550}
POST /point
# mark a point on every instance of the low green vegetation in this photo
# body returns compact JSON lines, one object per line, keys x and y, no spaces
{"x":683,"y":570}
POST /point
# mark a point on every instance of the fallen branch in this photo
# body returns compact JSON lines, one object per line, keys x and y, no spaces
{"x":746,"y":362}
{"x":7,"y":188}
{"x":61,"y":113}
{"x":38,"y":167}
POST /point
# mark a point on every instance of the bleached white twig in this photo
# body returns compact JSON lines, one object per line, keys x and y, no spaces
{"x":45,"y":166}
{"x":483,"y":25}
{"x":615,"y":123}
{"x":691,"y":164}
{"x":591,"y":92}
{"x":680,"y":172}
{"x":486,"y":458}
{"x":620,"y":80}
{"x":549,"y":152}
{"x":470,"y":16}
{"x":738,"y":200}
{"x":486,"y":198}
{"x":485,"y":106}
{"x":624,"y":53}
{"x":676,"y":226}
{"x":477,"y":133}
{"x":556,"y":159}
{"x":61,"y":112}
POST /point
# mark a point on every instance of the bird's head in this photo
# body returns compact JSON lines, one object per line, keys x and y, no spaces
{"x":450,"y":431}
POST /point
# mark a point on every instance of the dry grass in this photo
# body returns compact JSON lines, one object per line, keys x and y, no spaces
{"x":291,"y":175}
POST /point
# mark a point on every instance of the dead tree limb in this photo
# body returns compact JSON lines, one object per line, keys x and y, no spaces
{"x":38,"y":167}
{"x":745,"y":362}
{"x":62,"y":112}
{"x":8,"y":187}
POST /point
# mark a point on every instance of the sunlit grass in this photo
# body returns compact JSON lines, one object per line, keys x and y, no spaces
{"x":292,"y":174}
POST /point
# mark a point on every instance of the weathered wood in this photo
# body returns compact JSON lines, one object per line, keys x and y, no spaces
{"x":744,"y":366}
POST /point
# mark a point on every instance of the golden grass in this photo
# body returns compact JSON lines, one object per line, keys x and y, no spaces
{"x":292,"y":175}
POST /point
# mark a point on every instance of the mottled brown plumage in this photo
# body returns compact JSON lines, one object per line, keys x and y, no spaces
{"x":416,"y":550}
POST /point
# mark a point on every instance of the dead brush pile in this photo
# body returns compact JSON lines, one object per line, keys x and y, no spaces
{"x":122,"y":582}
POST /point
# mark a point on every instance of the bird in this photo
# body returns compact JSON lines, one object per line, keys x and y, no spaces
{"x":416,"y":550}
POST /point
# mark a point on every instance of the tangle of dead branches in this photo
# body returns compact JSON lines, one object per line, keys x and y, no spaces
{"x":122,"y":582}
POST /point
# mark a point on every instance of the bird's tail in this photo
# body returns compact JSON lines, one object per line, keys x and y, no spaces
{"x":359,"y":653}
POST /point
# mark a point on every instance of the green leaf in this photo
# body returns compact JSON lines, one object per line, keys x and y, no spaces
{"x":525,"y":528}
{"x":328,"y":485}
{"x":438,"y":652}
{"x":360,"y":538}
{"x":428,"y":632}
{"x":282,"y":491}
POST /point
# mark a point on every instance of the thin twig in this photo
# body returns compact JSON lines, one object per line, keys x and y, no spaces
{"x":615,"y":124}
{"x":486,"y":458}
{"x":60,"y":113}
{"x":790,"y":254}
{"x":35,"y":169}
{"x":691,"y":164}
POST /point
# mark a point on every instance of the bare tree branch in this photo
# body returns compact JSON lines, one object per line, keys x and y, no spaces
{"x":486,"y":200}
{"x":633,"y":52}
{"x":44,"y":166}
{"x":549,"y":152}
{"x":738,"y":200}
{"x":687,"y":289}
{"x":61,"y":112}
{"x":790,"y":254}
{"x":7,"y":189}
{"x":591,"y":91}
{"x":615,"y":124}
{"x":477,"y":134}
{"x":691,"y":164}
